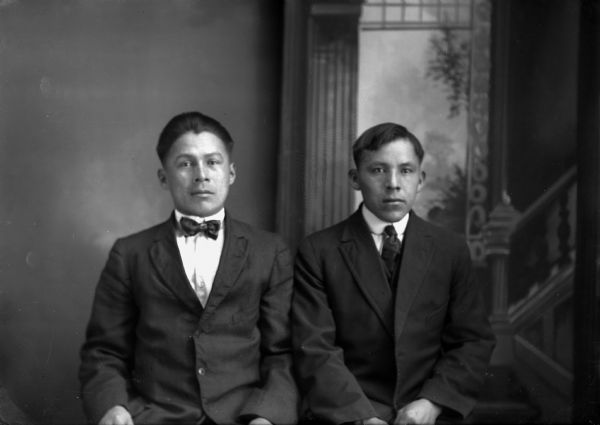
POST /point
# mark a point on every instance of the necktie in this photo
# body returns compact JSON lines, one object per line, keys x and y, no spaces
{"x":210,"y":228}
{"x":390,"y":251}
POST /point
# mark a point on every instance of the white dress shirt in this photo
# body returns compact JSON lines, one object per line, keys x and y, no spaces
{"x":201,"y":255}
{"x":376,"y":225}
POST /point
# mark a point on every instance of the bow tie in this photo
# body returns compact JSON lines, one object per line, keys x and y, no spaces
{"x":209,"y":228}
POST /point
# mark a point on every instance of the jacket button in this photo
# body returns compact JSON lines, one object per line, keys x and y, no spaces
{"x":201,"y":371}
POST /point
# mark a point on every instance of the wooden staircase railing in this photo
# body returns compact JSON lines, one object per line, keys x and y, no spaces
{"x":532,"y":256}
{"x":540,"y":272}
{"x":543,"y":239}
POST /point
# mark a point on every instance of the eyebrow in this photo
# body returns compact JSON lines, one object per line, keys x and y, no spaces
{"x":191,"y":155}
{"x":403,"y":164}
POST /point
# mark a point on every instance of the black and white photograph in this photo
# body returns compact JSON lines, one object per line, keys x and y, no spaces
{"x":277,"y":212}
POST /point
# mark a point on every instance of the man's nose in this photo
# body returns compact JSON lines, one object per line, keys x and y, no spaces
{"x":200,"y":174}
{"x":393,"y":182}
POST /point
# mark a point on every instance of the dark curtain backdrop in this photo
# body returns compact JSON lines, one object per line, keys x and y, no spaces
{"x":85,"y":88}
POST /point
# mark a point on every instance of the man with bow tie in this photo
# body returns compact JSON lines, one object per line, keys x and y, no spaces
{"x":388,"y":322}
{"x":190,"y":321}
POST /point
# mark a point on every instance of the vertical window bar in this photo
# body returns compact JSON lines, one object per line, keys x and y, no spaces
{"x":457,"y":10}
{"x":403,"y":10}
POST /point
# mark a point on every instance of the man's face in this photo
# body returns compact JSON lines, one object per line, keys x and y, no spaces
{"x":198,"y":172}
{"x":389,"y":179}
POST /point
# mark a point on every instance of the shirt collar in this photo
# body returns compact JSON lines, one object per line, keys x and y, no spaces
{"x":376,"y":225}
{"x":220,"y":215}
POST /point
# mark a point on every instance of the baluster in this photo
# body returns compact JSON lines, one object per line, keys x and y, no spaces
{"x":542,"y":252}
{"x":564,"y":231}
{"x":496,"y":235}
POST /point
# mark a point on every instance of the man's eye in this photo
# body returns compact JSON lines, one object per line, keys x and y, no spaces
{"x":377,"y":170}
{"x":406,"y":170}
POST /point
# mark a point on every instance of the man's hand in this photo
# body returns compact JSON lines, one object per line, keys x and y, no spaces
{"x":259,"y":421}
{"x":421,"y":411}
{"x":116,"y":415}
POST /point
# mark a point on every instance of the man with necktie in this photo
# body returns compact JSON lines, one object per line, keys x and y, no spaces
{"x":388,"y":322}
{"x":190,"y":321}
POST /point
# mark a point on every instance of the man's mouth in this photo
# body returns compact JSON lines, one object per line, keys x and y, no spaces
{"x":201,"y":193}
{"x":393,"y":201}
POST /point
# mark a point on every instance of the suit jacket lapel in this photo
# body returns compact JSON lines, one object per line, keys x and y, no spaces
{"x":416,"y":256}
{"x":233,"y":258}
{"x":166,"y":260}
{"x":358,"y":250}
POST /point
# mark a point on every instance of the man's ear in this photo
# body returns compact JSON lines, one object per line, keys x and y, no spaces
{"x":162,"y":178}
{"x":232,"y":173}
{"x":353,"y":176}
{"x":422,"y":176}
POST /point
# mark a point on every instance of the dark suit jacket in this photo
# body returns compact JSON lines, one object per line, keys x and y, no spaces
{"x":361,"y":353}
{"x":152,"y":348}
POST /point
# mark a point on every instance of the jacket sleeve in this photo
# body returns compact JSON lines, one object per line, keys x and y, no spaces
{"x":277,"y":398}
{"x":330,"y":390}
{"x":106,"y":355}
{"x":467,"y":342}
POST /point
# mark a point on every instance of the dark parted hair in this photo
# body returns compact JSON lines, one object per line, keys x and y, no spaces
{"x":193,"y":122}
{"x":375,"y":137}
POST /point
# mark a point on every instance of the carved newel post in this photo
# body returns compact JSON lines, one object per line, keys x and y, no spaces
{"x":496,"y":235}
